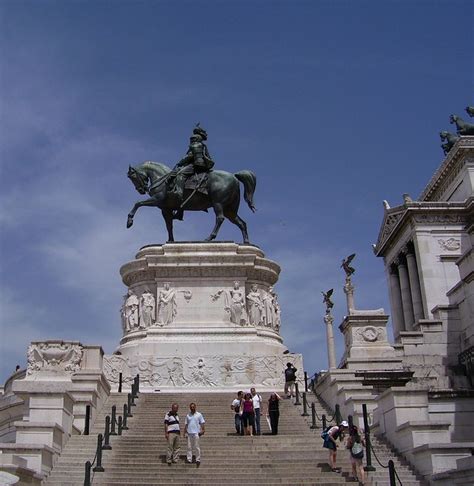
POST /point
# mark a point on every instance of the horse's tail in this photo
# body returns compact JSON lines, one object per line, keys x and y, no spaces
{"x":248,"y":179}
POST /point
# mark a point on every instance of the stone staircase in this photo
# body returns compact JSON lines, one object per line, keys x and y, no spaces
{"x":294,"y":457}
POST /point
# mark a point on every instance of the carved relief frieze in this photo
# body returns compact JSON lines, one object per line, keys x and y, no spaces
{"x":197,"y":371}
{"x":56,"y":356}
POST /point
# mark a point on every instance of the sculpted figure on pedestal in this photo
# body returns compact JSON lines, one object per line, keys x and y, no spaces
{"x":450,"y":138}
{"x":193,"y":186}
{"x":131,"y":311}
{"x":123,"y":316}
{"x":462,"y":127}
{"x":167,"y":306}
{"x":147,"y":309}
{"x":255,"y":304}
{"x":346,"y":265}
{"x":277,"y":311}
{"x":268,"y":308}
{"x":327,"y":300}
{"x":234,"y":303}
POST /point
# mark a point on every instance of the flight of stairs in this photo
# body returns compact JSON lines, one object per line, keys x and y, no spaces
{"x":293,"y":457}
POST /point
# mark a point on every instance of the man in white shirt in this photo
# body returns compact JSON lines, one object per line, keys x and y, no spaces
{"x":194,"y":428}
{"x":257,"y":403}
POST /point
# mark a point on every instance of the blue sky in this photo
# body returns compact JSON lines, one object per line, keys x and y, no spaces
{"x":335,"y":106}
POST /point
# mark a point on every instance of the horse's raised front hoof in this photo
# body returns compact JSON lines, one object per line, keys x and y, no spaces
{"x":129,"y":222}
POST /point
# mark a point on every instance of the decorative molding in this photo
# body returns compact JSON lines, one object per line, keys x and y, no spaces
{"x":57,"y":356}
{"x":199,"y":371}
{"x":451,"y":244}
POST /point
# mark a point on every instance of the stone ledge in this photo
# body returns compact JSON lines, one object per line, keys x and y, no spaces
{"x":423,"y":424}
{"x":38,"y":425}
{"x":8,"y":446}
{"x":464,"y":393}
{"x":467,"y":447}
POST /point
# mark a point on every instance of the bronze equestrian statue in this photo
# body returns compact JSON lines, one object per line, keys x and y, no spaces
{"x":193,"y":185}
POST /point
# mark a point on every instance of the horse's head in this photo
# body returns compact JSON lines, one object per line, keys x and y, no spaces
{"x":139,"y":179}
{"x":470,"y":110}
{"x":443,"y":135}
{"x":454,"y":119}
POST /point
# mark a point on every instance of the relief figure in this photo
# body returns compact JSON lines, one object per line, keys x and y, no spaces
{"x":234,"y":303}
{"x":167,"y":306}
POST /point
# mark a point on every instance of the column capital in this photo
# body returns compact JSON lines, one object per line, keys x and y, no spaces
{"x":329,"y":319}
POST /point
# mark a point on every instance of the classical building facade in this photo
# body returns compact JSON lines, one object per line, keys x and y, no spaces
{"x":419,"y":391}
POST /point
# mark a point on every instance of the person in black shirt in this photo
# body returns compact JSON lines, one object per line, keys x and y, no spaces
{"x":290,"y":379}
{"x":274,"y":412}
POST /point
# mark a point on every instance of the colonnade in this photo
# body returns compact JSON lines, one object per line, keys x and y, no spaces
{"x":405,"y":292}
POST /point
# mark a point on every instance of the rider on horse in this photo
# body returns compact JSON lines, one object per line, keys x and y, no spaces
{"x":196,"y":161}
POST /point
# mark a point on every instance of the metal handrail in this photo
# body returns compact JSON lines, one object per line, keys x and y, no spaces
{"x":103,"y":441}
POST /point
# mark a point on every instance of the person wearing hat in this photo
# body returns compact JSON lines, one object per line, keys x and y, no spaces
{"x":197,"y":160}
{"x":330,"y":443}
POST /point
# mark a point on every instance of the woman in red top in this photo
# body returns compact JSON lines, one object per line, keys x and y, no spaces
{"x":248,"y":414}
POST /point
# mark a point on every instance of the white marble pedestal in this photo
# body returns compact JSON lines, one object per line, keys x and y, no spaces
{"x":200,"y":316}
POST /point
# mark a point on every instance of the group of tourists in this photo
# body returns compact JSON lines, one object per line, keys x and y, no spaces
{"x":248,"y":410}
{"x":354,"y":442}
{"x":194,"y":428}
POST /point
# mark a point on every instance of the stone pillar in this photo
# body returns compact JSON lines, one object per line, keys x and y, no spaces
{"x":407,"y":303}
{"x":415,"y":287}
{"x":349,"y":291}
{"x":329,"y":320}
{"x":398,"y":322}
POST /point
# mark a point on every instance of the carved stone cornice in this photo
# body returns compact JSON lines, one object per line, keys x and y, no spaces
{"x":449,"y":169}
{"x":199,"y":260}
{"x":421,"y":213}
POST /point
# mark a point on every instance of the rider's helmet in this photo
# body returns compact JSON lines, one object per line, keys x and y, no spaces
{"x":200,"y":131}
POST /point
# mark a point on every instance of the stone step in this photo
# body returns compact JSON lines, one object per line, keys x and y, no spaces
{"x":295,"y":456}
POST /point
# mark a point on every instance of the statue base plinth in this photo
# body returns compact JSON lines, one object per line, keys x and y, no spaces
{"x":198,"y":337}
{"x":366,"y":343}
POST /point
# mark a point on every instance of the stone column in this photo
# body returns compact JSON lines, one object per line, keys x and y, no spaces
{"x":349,"y":291}
{"x":398,"y":322}
{"x":329,"y":320}
{"x":414,"y":287}
{"x":407,"y":303}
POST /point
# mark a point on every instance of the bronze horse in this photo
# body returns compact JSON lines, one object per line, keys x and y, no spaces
{"x":223,"y":195}
{"x":463,"y":128}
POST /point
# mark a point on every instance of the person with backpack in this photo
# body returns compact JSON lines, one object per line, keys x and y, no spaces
{"x":236,"y":407}
{"x":356,"y":444}
{"x":290,"y":379}
{"x":330,"y":435}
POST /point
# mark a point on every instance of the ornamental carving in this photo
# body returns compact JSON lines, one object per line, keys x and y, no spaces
{"x":451,"y":244}
{"x":198,"y":371}
{"x":57,"y":356}
{"x":370,"y":334}
{"x":439,"y":218}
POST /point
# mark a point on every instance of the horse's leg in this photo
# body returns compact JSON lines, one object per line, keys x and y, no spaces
{"x":219,"y":220}
{"x":168,"y":217}
{"x":147,"y":202}
{"x":238,"y":221}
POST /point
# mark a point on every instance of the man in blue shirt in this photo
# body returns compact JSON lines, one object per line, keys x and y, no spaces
{"x":194,"y":428}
